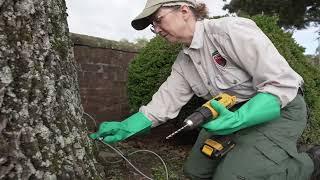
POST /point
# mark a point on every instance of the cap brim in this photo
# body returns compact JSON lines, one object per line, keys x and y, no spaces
{"x":142,"y":20}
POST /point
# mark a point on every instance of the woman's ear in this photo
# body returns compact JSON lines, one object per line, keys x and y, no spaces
{"x":186,"y":12}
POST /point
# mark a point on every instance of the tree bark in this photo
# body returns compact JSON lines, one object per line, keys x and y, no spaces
{"x":42,"y":132}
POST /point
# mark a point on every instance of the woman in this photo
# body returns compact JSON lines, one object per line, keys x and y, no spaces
{"x":227,"y":55}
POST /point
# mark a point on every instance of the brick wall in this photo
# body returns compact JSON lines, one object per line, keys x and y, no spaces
{"x":103,"y":68}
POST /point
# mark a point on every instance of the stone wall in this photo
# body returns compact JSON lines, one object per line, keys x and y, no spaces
{"x":103,"y":67}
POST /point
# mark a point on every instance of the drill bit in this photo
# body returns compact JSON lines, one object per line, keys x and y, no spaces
{"x":188,"y":123}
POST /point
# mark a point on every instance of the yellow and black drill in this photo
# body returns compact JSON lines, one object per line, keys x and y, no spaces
{"x":216,"y":146}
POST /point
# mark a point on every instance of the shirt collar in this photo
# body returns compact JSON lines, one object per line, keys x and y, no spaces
{"x":197,"y":40}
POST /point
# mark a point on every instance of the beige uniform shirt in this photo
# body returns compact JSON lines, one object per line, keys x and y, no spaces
{"x":230,"y":55}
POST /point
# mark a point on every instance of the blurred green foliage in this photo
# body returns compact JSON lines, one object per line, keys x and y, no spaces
{"x":152,"y":66}
{"x":291,"y":13}
{"x":293,"y":53}
{"x":149,"y":69}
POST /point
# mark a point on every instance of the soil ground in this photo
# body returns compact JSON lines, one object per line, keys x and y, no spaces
{"x":173,"y":152}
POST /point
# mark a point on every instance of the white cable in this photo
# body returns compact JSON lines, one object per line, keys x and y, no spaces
{"x":125,"y":158}
{"x":94,"y":122}
{"x":122,"y":155}
{"x":162,"y":161}
{"x":142,"y":150}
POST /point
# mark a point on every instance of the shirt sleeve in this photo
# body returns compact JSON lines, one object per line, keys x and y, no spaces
{"x":172,"y":95}
{"x":246,"y":44}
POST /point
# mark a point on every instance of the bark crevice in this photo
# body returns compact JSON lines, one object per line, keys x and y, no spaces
{"x":42,"y":132}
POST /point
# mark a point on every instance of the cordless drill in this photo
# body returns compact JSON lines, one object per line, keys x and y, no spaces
{"x":216,"y":146}
{"x":205,"y":113}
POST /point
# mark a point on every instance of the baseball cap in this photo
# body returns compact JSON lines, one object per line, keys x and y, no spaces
{"x":142,"y":21}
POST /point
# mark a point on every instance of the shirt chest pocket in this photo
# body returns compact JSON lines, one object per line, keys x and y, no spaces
{"x":194,"y":80}
{"x":232,"y":77}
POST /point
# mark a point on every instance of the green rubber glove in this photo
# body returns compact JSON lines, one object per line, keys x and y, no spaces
{"x":261,"y":108}
{"x":112,"y":132}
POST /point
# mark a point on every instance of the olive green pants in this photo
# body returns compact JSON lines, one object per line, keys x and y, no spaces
{"x":264,"y":152}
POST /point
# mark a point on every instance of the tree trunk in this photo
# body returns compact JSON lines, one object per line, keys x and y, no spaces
{"x":42,"y":132}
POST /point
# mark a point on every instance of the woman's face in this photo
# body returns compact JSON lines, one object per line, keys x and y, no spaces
{"x":173,"y":24}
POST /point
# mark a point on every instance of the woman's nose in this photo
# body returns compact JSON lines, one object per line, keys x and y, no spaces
{"x":157,"y":29}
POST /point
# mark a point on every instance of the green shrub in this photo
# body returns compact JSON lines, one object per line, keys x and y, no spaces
{"x":152,"y":66}
{"x":293,"y":53}
{"x":149,"y":69}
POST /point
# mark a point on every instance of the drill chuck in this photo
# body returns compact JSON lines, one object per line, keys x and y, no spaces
{"x":205,"y":113}
{"x":198,"y":117}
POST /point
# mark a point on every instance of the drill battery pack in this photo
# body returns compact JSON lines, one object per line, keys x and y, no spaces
{"x":217,"y":146}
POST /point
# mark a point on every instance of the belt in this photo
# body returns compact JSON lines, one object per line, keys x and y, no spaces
{"x":300,"y":91}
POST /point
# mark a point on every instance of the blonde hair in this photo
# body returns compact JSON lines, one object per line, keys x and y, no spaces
{"x":200,"y":11}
